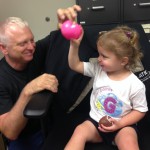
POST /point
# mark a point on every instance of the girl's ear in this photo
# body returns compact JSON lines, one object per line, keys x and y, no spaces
{"x":125,"y":61}
{"x":3,"y":49}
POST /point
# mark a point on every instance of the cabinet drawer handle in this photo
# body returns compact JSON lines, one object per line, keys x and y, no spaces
{"x":144,"y":4}
{"x":97,"y":7}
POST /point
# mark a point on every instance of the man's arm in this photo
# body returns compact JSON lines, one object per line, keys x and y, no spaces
{"x":71,"y":14}
{"x":12,"y":122}
{"x":43,"y":45}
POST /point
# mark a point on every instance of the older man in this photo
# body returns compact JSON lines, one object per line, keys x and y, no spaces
{"x":16,"y":88}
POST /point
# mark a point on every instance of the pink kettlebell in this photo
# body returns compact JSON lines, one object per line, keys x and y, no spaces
{"x":71,"y":30}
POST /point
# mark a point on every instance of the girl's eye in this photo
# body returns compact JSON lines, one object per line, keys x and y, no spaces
{"x":104,"y":56}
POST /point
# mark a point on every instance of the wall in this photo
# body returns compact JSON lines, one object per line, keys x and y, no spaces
{"x":147,"y":29}
{"x":35,"y":12}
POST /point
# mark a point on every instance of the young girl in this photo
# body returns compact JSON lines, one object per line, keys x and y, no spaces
{"x":117,"y":92}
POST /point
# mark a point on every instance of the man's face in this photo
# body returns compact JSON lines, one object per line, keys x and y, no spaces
{"x":21,"y":47}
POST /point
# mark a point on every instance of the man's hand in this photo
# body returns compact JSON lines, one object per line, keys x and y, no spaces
{"x":43,"y":82}
{"x":69,"y":13}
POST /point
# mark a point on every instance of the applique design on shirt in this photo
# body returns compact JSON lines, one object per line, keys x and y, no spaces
{"x":107,"y":102}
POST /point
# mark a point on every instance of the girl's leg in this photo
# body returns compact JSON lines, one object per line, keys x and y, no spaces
{"x":126,"y":139}
{"x":85,"y":132}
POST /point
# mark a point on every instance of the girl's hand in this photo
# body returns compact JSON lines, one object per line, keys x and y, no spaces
{"x":115,"y":126}
{"x":76,"y":42}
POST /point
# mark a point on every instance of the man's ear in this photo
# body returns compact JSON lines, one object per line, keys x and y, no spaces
{"x":3,"y":49}
{"x":125,"y":61}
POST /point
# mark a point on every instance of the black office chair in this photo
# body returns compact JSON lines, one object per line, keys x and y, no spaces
{"x":2,"y":143}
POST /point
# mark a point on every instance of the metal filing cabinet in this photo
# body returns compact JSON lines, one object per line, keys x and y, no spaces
{"x":113,"y":11}
{"x":99,"y":11}
{"x":136,"y":11}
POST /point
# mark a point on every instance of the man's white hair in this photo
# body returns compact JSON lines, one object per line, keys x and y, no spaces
{"x":15,"y":20}
{"x":6,"y":24}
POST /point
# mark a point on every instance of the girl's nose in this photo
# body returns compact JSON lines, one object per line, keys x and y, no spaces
{"x":99,"y":58}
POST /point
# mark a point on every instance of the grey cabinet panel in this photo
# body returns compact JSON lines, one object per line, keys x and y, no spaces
{"x":99,"y":11}
{"x":136,"y":10}
{"x":113,"y":11}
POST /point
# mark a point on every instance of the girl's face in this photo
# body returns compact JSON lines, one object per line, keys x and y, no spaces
{"x":109,"y":61}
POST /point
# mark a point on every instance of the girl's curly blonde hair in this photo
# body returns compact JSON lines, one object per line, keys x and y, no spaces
{"x":123,"y":41}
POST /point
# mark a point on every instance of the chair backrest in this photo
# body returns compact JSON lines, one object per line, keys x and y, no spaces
{"x":2,"y":143}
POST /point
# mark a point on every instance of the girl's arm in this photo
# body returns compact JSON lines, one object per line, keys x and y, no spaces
{"x":73,"y":56}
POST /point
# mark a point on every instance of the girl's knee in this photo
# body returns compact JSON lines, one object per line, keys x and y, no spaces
{"x":126,"y":137}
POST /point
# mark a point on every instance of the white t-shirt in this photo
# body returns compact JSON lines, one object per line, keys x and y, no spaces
{"x":114,"y":98}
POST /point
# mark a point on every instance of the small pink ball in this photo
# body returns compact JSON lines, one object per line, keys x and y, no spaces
{"x":71,"y":30}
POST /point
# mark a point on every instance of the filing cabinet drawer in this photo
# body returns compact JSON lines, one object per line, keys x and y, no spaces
{"x":136,"y":10}
{"x":99,"y":11}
